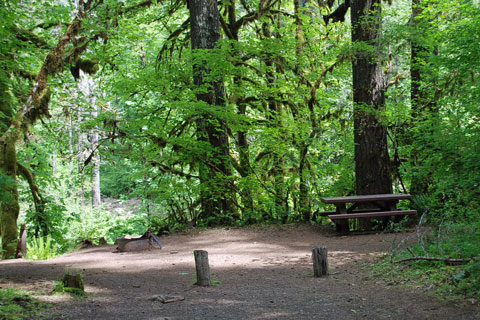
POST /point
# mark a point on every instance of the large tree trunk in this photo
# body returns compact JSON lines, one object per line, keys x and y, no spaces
{"x":372,"y":169}
{"x":9,"y":208}
{"x":215,"y":172}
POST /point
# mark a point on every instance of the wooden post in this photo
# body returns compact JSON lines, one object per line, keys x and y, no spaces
{"x":203,"y":269}
{"x":320,"y":261}
{"x":22,"y":242}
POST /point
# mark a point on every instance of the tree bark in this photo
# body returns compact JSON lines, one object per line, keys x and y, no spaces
{"x":96,"y":192}
{"x":9,"y":206}
{"x":215,"y":172}
{"x":372,"y":169}
{"x":372,"y":162}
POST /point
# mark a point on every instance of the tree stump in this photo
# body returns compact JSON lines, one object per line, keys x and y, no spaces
{"x":202,"y":267}
{"x":320,"y":261}
{"x":74,"y":281}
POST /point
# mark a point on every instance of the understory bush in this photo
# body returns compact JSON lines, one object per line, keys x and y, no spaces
{"x":450,"y":240}
{"x":95,"y":223}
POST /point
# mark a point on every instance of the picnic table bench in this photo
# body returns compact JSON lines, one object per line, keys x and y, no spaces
{"x":372,"y":206}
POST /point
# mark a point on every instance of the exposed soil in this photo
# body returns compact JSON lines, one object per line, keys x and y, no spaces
{"x":260,"y":273}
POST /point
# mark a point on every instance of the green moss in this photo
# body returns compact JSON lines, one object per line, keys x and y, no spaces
{"x":17,"y":305}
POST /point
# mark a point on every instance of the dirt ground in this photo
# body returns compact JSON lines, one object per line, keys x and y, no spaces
{"x":260,"y":273}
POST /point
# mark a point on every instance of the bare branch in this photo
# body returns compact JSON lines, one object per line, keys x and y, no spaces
{"x":447,"y":260}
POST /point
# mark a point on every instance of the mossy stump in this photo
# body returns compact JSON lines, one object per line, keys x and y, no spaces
{"x":74,"y":281}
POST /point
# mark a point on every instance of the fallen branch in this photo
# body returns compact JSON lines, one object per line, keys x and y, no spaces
{"x":447,"y":260}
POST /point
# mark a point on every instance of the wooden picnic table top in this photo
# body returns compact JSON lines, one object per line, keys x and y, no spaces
{"x":367,"y":198}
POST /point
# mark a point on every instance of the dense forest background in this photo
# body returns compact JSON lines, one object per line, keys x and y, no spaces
{"x":116,"y":116}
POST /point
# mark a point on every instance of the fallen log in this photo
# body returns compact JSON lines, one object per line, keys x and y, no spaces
{"x":139,"y":243}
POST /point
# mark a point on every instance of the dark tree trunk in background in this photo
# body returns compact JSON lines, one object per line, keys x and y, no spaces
{"x":275,"y":111}
{"x":416,"y":58}
{"x":372,"y":171}
{"x":215,"y":172}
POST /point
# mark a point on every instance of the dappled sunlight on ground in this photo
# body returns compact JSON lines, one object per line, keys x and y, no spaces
{"x":258,"y":274}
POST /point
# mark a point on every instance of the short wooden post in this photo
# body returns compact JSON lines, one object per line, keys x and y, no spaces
{"x":203,"y":269}
{"x":320,"y":261}
{"x":22,"y":242}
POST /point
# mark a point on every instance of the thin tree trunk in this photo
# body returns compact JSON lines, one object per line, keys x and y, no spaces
{"x":82,"y":137}
{"x":275,"y":111}
{"x":244,"y":159}
{"x":70,"y":143}
{"x":87,"y":86}
{"x":96,"y":192}
{"x":372,"y":169}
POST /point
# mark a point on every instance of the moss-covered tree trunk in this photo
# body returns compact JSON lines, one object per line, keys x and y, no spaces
{"x":14,"y":122}
{"x":9,"y":208}
{"x":215,"y":172}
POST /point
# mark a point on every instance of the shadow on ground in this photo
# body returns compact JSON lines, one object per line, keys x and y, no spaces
{"x":261,"y":273}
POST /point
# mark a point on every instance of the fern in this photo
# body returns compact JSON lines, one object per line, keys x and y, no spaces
{"x":41,"y":248}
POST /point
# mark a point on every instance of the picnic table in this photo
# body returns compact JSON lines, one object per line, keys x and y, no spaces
{"x":371,"y":206}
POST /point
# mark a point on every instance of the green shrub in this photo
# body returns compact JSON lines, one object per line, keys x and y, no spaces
{"x":449,"y":240}
{"x":41,"y":248}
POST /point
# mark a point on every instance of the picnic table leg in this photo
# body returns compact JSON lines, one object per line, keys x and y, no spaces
{"x":393,"y":206}
{"x":341,"y":225}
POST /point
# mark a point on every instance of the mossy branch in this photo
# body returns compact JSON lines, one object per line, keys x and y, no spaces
{"x":30,"y":178}
{"x":37,"y":103}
